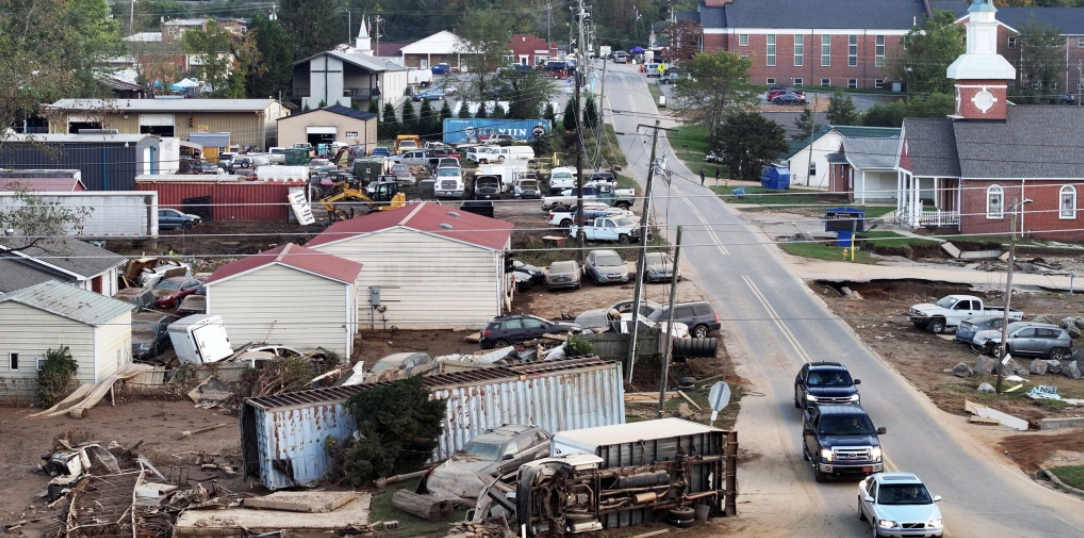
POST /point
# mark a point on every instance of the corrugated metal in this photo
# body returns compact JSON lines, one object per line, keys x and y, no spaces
{"x":287,"y":430}
{"x":457,"y":131}
{"x":235,"y":202}
{"x":103,"y":167}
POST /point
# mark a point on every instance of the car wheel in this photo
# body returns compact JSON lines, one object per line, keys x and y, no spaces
{"x":805,"y":451}
{"x":500,"y":343}
{"x":936,"y":326}
{"x":797,"y":401}
{"x":1057,"y":354}
{"x":861,"y":514}
{"x":567,"y":223}
{"x":188,"y":225}
{"x":700,"y":331}
{"x":623,"y":239}
{"x":876,"y":533}
{"x":817,"y":474}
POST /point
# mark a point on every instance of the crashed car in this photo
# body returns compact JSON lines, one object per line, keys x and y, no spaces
{"x":600,"y":318}
{"x":496,"y":452}
{"x":526,"y":275}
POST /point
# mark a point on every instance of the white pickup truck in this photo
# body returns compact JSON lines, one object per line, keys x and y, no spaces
{"x":619,"y":228}
{"x":621,"y":198}
{"x":564,"y":219}
{"x":950,"y":310}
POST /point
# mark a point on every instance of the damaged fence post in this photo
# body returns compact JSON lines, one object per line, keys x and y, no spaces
{"x":669,"y":349}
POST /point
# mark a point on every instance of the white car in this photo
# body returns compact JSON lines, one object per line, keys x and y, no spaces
{"x":898,"y":505}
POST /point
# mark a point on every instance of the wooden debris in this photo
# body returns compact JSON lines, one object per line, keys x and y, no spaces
{"x":975,"y":419}
{"x":473,"y":338}
{"x":652,"y":533}
{"x":428,"y":507}
{"x":690,"y":400}
{"x":555,"y":337}
{"x":190,"y":433}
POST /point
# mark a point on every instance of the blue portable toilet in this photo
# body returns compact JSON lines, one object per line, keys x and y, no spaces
{"x":775,"y":178}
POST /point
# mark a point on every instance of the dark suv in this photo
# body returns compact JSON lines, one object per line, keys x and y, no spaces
{"x":505,"y":330}
{"x":840,"y":440}
{"x":700,"y":318}
{"x":820,"y":383}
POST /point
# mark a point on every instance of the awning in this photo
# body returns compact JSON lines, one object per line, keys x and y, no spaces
{"x":322,"y":130}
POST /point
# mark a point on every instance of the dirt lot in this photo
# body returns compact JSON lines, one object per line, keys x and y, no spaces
{"x":927,"y":359}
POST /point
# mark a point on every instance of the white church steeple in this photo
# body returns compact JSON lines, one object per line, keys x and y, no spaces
{"x":363,"y":43}
{"x":981,"y":74}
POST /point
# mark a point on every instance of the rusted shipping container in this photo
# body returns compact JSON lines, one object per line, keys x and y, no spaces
{"x":233,"y":201}
{"x":282,"y":436}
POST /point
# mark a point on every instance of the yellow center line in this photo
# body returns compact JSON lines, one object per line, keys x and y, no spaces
{"x":778,"y":321}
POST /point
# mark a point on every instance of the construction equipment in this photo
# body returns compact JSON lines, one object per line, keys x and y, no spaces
{"x":383,"y":195}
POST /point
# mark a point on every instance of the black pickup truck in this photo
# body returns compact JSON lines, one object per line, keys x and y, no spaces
{"x":840,"y":440}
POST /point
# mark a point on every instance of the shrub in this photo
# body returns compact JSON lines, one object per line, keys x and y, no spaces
{"x":56,"y":375}
{"x":577,"y":347}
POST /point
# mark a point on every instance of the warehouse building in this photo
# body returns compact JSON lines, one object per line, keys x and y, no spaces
{"x":105,"y":162}
{"x":335,"y":123}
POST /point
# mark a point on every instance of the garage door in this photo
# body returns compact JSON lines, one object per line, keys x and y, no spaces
{"x":322,"y":130}
{"x":156,"y":120}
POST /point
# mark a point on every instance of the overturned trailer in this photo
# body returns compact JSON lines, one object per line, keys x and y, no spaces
{"x":619,"y":476}
{"x":282,"y":436}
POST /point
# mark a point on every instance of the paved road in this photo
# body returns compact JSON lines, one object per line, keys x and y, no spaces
{"x":862,"y":101}
{"x":774,"y":323}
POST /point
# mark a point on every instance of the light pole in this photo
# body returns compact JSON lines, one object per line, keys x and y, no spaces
{"x":1017,"y":206}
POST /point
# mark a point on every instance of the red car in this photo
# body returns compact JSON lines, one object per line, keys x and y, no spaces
{"x":170,"y":292}
{"x":776,"y":91}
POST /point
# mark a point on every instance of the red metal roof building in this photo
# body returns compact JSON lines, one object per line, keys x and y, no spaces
{"x":432,"y":219}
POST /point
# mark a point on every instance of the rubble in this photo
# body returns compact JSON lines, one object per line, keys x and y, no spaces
{"x":210,"y":393}
{"x":986,"y":388}
{"x":312,"y":502}
{"x":1071,"y":370}
{"x":1004,"y":419}
{"x":962,"y":370}
{"x":984,"y":365}
{"x":88,"y":395}
{"x":350,"y":518}
{"x":1038,"y":367}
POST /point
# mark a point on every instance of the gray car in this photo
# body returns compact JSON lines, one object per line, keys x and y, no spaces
{"x":599,"y":318}
{"x":606,"y":266}
{"x":700,"y":317}
{"x":659,"y":268}
{"x":496,"y":452}
{"x":1028,"y":338}
{"x":971,"y":326}
{"x":563,"y":275}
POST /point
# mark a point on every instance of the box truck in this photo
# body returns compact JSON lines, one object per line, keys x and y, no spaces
{"x":108,"y":214}
{"x":199,"y":339}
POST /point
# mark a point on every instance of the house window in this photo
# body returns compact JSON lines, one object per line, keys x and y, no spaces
{"x":879,"y":57}
{"x":771,"y":50}
{"x":13,"y":360}
{"x":826,"y":82}
{"x":852,"y":50}
{"x":1080,"y":42}
{"x":852,"y":83}
{"x":879,"y":83}
{"x":826,"y":50}
{"x":41,"y":363}
{"x":798,"y":82}
{"x":1012,"y":42}
{"x":743,"y":40}
{"x":769,"y":81}
{"x":995,"y":202}
{"x":1067,"y":202}
{"x":799,"y":50}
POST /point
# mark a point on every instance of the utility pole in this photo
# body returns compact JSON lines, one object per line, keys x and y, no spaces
{"x":1017,"y":205}
{"x":131,"y":16}
{"x":670,"y":325}
{"x":579,"y":75}
{"x":549,"y":23}
{"x":350,"y":25}
{"x":642,"y":258}
{"x":601,"y":118}
{"x":376,"y":50}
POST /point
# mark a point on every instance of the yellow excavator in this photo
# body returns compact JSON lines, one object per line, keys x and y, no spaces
{"x":384,"y":195}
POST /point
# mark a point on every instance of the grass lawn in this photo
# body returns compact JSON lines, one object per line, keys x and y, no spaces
{"x":695,"y":137}
{"x":820,"y":251}
{"x":891,"y":239}
{"x":611,"y":151}
{"x":626,"y":182}
{"x":409,"y":525}
{"x":655,"y":91}
{"x":753,"y":195}
{"x":1072,"y":475}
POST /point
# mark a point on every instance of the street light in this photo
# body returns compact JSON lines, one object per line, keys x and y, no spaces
{"x":1016,"y":207}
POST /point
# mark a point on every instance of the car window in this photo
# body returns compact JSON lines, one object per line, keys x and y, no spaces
{"x":510,"y":448}
{"x":830,"y":378}
{"x":1028,"y":332}
{"x":513,"y":324}
{"x":539,"y":437}
{"x":872,"y":489}
{"x":529,"y":323}
{"x":846,"y":425}
{"x":485,"y":451}
{"x":685,"y":312}
{"x":946,"y":302}
{"x":1047,"y":333}
{"x":903,"y":494}
{"x":702,"y":309}
{"x":524,"y":441}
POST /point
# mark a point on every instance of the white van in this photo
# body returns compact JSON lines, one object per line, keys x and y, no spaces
{"x":199,"y":339}
{"x":477,"y":154}
{"x":510,"y":173}
{"x":510,"y":153}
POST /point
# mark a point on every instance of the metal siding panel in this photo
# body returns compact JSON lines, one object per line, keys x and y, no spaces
{"x":244,"y":127}
{"x":236,"y":202}
{"x":298,"y":435}
{"x":455,"y":129}
{"x":102,"y":166}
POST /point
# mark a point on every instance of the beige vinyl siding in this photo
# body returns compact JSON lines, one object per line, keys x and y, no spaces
{"x":114,"y":341}
{"x":294,"y":130}
{"x":31,"y":332}
{"x":258,"y":129}
{"x":280,"y":305}
{"x":426,"y":282}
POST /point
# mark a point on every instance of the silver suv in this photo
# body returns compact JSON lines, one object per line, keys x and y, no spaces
{"x":496,"y":452}
{"x":1028,"y":338}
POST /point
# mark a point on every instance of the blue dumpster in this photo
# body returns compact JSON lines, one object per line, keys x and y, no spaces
{"x":844,"y":221}
{"x":775,"y":178}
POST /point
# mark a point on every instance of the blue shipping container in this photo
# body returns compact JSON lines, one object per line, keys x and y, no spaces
{"x":467,"y":131}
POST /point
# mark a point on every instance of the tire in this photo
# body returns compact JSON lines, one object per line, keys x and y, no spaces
{"x":805,"y":451}
{"x":681,"y":513}
{"x":500,"y":343}
{"x":188,"y":225}
{"x":861,"y":514}
{"x":694,"y":348}
{"x":500,"y":159}
{"x":936,"y":326}
{"x":623,"y":239}
{"x":1057,"y":354}
{"x":700,"y":331}
{"x":567,"y":223}
{"x":819,"y":476}
{"x":624,"y":205}
{"x":797,"y":402}
{"x":244,"y":164}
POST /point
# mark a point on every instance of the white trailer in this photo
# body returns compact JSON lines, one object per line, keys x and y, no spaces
{"x":421,"y":77}
{"x":111,"y":214}
{"x":200,"y":338}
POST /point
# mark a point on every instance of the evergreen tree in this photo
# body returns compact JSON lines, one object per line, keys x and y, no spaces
{"x":388,"y":126}
{"x":550,"y":114}
{"x":374,"y":106}
{"x":426,"y":119}
{"x":409,"y":120}
{"x":310,"y":24}
{"x":590,"y":113}
{"x":481,"y":114}
{"x":747,"y":142}
{"x":841,"y":109}
{"x":445,"y":112}
{"x":806,"y":124}
{"x":498,"y":112}
{"x":464,"y":111}
{"x":276,"y":49}
{"x":569,"y":118}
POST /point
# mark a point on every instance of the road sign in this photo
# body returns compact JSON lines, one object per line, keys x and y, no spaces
{"x":538,"y":131}
{"x":719,"y":398}
{"x":844,"y":219}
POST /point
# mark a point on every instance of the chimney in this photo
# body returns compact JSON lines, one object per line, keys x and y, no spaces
{"x":981,"y":74}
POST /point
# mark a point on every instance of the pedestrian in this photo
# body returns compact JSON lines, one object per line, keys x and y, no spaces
{"x":662,"y":69}
{"x":701,"y":177}
{"x":716,"y":176}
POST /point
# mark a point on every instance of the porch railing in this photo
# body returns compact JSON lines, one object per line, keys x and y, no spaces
{"x":939,"y":218}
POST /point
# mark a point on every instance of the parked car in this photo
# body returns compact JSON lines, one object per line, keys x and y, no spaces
{"x":140,"y":298}
{"x":602,"y":177}
{"x":432,"y":94}
{"x":600,"y":317}
{"x":193,"y":304}
{"x":652,"y":70}
{"x":514,"y":329}
{"x":776,"y":91}
{"x":950,"y":310}
{"x":496,"y":452}
{"x":170,"y":292}
{"x":171,"y":219}
{"x":556,"y":69}
{"x":440,"y":69}
{"x":841,"y":440}
{"x":789,"y":98}
{"x":381,"y":151}
{"x":527,"y":275}
{"x":898,"y":504}
{"x":149,"y":335}
{"x":405,"y":361}
{"x":658,"y":267}
{"x":820,"y":383}
{"x":1028,"y":338}
{"x":971,"y":326}
{"x":620,"y":56}
{"x":563,"y":275}
{"x":449,"y":182}
{"x":1066,"y":99}
{"x":503,"y":139}
{"x":700,"y":317}
{"x":605,"y":266}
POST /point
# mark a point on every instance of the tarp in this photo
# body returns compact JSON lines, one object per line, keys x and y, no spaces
{"x":187,"y":83}
{"x":88,"y":395}
{"x":636,"y":50}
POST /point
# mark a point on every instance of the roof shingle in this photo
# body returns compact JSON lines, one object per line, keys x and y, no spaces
{"x":165,"y":105}
{"x":822,"y":14}
{"x":931,"y":147}
{"x":69,"y":255}
{"x":337,"y":109}
{"x":1035,"y":142}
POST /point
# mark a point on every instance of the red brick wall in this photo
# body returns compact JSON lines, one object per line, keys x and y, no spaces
{"x":526,"y":45}
{"x":811,"y":72}
{"x":1041,"y":218}
{"x":837,"y":180}
{"x":970,"y":88}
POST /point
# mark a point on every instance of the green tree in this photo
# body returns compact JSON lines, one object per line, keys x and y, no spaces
{"x":398,"y":427}
{"x":464,"y":110}
{"x":445,"y":113}
{"x":408,"y":119}
{"x":569,"y":118}
{"x":841,"y":109}
{"x":717,"y":82}
{"x":498,"y":112}
{"x":212,"y":47}
{"x":527,"y":92}
{"x":918,"y":106}
{"x":426,"y":119}
{"x":374,"y":106}
{"x":96,"y":33}
{"x":309,"y":23}
{"x":747,"y":141}
{"x":276,"y":50}
{"x":590,"y":113}
{"x":35,"y":218}
{"x":1041,"y":60}
{"x":56,"y":375}
{"x":388,"y":126}
{"x":550,"y":113}
{"x":481,"y":112}
{"x":930,"y":50}
{"x":483,"y":44}
{"x":806,"y":124}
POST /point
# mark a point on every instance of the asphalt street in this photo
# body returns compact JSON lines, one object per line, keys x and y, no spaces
{"x":772,"y":323}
